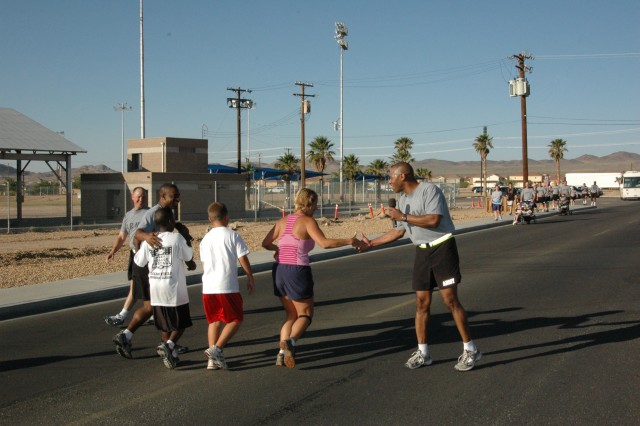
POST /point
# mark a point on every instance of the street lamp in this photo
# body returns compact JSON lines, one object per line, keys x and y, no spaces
{"x":341,"y":33}
{"x":122,"y":108}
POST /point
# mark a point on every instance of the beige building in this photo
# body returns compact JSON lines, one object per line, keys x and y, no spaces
{"x":519,"y":183}
{"x":152,"y":162}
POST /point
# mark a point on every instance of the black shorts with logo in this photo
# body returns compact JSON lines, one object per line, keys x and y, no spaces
{"x":437,"y":266}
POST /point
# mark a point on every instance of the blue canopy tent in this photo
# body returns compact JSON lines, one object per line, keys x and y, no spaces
{"x":265,"y":173}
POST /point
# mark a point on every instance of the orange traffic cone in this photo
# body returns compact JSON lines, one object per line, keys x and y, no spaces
{"x":282,"y":211}
{"x":473,"y":203}
{"x":335,"y":214}
{"x":382,"y":212}
{"x":370,"y":211}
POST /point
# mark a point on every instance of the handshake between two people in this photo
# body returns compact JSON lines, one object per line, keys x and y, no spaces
{"x":361,"y":245}
{"x":364,"y":244}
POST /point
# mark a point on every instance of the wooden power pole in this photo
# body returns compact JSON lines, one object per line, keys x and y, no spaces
{"x":304,"y":109}
{"x":523,"y":92}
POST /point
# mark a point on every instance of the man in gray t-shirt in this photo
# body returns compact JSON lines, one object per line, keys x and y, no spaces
{"x":527,"y":194}
{"x":127,"y":232}
{"x":423,"y":213}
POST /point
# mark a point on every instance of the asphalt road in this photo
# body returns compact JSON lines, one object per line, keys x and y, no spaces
{"x":554,"y":307}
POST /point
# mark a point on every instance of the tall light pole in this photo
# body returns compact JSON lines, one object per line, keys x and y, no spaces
{"x":142,"y":130}
{"x":122,"y":108}
{"x":341,"y":33}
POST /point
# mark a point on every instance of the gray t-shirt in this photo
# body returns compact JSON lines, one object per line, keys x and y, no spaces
{"x":147,"y":222}
{"x":496,"y":196}
{"x":130,"y":223}
{"x":427,"y":198}
{"x":528,"y":194}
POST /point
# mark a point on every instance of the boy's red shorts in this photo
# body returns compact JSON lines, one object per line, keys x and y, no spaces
{"x":225,"y":307}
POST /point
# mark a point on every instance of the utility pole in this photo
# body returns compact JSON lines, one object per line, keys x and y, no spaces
{"x":522,"y":90}
{"x":483,"y":179}
{"x":238,"y":103}
{"x":304,"y":109}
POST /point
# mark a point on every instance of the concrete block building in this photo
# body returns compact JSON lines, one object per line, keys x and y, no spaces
{"x":152,"y":162}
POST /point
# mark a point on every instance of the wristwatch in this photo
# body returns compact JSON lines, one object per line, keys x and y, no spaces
{"x":404,"y":218}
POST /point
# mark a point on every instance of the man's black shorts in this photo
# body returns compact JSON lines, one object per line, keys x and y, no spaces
{"x":130,"y":267}
{"x":437,"y":266}
{"x":141,"y":289}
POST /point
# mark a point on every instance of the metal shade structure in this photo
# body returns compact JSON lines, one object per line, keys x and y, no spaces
{"x":22,"y":138}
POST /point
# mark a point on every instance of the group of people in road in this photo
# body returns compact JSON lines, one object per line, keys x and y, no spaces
{"x":159,"y":255}
{"x":540,"y":197}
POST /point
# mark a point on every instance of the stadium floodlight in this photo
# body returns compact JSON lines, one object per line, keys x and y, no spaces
{"x":341,"y":33}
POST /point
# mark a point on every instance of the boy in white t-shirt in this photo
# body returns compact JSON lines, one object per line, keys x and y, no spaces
{"x":168,"y":284}
{"x":220,"y":251}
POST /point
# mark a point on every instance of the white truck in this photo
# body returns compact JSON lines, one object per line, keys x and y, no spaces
{"x":603,"y":180}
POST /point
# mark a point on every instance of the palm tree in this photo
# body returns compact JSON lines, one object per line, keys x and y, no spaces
{"x":482,"y":144}
{"x":350,"y":169}
{"x":423,"y":173}
{"x":319,"y":153}
{"x":402,"y":146}
{"x":288,"y":163}
{"x":378,"y":168}
{"x":557,"y":148}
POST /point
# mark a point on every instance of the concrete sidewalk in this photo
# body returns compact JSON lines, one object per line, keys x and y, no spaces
{"x":48,"y":297}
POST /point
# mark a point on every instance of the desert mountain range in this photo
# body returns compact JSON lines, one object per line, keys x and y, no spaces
{"x":616,"y":162}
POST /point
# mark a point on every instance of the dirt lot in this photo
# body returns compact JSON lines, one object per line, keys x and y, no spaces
{"x":38,"y":257}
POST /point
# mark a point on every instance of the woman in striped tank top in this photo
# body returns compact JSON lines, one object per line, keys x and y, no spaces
{"x":296,"y":235}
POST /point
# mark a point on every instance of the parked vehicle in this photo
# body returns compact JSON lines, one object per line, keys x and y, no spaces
{"x":276,"y":190}
{"x":630,"y":185}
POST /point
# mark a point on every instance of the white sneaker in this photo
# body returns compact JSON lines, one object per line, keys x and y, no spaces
{"x":211,"y":365}
{"x":214,"y":354}
{"x":467,"y":360}
{"x":417,"y":360}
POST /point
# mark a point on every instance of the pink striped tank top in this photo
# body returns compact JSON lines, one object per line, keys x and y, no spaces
{"x":293,"y":250}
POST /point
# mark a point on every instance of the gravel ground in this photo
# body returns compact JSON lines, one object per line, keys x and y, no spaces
{"x":39,"y":257}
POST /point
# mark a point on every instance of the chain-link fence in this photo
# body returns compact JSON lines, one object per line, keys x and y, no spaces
{"x":273,"y":197}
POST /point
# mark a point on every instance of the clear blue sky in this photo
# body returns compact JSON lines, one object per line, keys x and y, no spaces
{"x":435,"y":71}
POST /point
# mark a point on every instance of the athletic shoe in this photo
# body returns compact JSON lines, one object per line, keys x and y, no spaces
{"x":114,"y":320}
{"x":211,"y":365}
{"x":123,"y":346}
{"x":215,"y":354}
{"x":417,"y":360}
{"x":467,"y":360}
{"x":167,"y":357}
{"x":280,"y":360}
{"x":181,"y":349}
{"x":289,"y":353}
